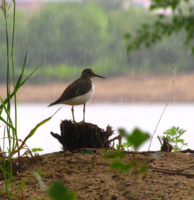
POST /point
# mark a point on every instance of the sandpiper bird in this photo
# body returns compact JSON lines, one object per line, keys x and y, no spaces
{"x":78,"y":92}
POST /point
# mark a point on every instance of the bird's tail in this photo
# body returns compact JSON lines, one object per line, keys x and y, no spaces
{"x":51,"y":104}
{"x":55,"y":102}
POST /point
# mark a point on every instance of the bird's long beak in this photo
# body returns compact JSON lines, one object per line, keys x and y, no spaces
{"x":96,"y":75}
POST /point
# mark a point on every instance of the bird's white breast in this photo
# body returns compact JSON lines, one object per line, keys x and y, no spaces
{"x":81,"y":99}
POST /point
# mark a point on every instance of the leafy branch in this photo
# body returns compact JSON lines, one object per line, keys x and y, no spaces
{"x":149,"y":34}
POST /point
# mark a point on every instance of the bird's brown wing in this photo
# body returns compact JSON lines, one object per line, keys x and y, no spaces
{"x":77,"y":88}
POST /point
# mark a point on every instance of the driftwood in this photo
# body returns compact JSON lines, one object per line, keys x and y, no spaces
{"x":82,"y":135}
{"x":153,"y":152}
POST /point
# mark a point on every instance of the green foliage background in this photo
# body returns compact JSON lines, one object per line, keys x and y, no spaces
{"x":67,"y":37}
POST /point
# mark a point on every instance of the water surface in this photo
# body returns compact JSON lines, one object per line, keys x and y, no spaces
{"x":127,"y":116}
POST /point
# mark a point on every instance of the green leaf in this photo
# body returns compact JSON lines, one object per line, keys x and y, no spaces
{"x":137,"y":137}
{"x":123,"y":133}
{"x":37,"y":126}
{"x":57,"y":191}
{"x":3,"y":120}
{"x":127,"y":36}
{"x":29,"y":75}
{"x":123,"y":167}
{"x":89,"y":152}
{"x":172,"y":140}
{"x":18,"y":86}
{"x":9,"y":118}
{"x":117,"y":154}
{"x":127,"y":144}
{"x":36,"y":149}
{"x":173,"y":134}
{"x":23,"y":68}
{"x":192,"y":50}
{"x":143,"y":168}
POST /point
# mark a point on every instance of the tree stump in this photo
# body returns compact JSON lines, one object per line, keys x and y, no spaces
{"x":166,"y":145}
{"x":82,"y":135}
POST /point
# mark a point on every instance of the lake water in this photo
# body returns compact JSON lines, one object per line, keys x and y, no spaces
{"x":127,"y":116}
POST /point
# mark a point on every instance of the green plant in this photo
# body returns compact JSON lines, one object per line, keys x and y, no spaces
{"x":57,"y":190}
{"x":23,"y":184}
{"x":137,"y":166}
{"x":35,"y":150}
{"x":6,"y":104}
{"x":119,"y":147}
{"x":31,"y":152}
{"x":39,"y":171}
{"x":136,"y":138}
{"x":181,"y":18}
{"x":10,"y":130}
{"x":24,"y":181}
{"x":127,"y":145}
{"x":173,"y":134}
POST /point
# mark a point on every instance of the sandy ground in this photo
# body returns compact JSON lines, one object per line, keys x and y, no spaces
{"x":170,"y":176}
{"x":124,"y":89}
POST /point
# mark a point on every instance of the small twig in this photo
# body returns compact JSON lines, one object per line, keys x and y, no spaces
{"x":159,"y":139}
{"x":151,"y":152}
{"x":173,"y":173}
{"x":141,"y":152}
{"x":186,"y":151}
{"x":179,"y":170}
{"x":116,"y":138}
{"x":169,"y":97}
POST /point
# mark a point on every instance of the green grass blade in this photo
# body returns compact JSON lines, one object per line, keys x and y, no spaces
{"x":33,"y":131}
{"x":17,"y":87}
{"x":37,"y":126}
{"x":6,"y":100}
{"x":29,"y":75}
{"x":23,"y":68}
{"x":3,"y":120}
{"x":14,"y":83}
{"x":8,"y":115}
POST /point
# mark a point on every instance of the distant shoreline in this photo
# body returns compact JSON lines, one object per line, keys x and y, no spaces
{"x":123,"y":89}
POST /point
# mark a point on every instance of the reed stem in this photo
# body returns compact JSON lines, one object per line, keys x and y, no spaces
{"x":15,"y":136}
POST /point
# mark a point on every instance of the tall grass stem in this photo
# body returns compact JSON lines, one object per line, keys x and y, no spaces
{"x":14,"y":84}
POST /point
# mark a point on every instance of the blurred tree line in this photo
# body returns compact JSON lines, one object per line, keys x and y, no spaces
{"x":177,"y":17}
{"x":67,"y":37}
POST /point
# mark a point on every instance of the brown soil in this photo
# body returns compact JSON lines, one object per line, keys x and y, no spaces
{"x":125,"y":89}
{"x":96,"y":181}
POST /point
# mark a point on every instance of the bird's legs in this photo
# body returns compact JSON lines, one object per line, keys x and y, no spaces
{"x":72,"y":110}
{"x":84,"y":112}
